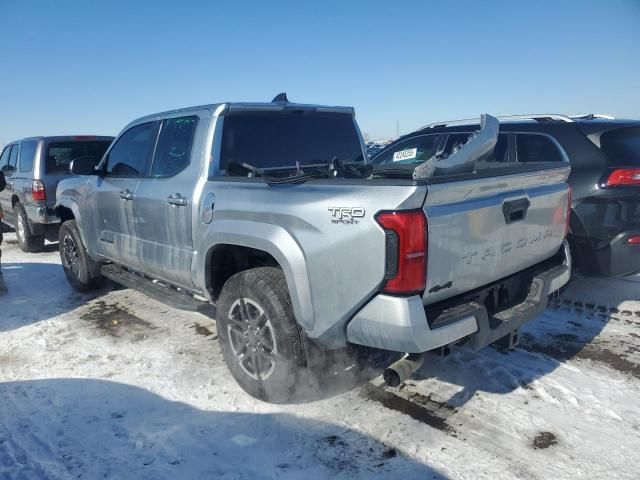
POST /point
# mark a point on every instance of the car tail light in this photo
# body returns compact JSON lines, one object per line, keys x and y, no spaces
{"x":37,"y":191}
{"x":567,"y":225}
{"x":406,"y":256}
{"x":634,"y":240}
{"x":624,"y":176}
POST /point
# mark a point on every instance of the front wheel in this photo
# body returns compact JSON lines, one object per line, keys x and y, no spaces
{"x":259,"y":336}
{"x":81,"y":271}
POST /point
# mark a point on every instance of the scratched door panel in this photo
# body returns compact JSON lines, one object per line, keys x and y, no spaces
{"x":163,"y":207}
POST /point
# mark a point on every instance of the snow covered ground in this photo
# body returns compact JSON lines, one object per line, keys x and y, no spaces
{"x":116,"y":385}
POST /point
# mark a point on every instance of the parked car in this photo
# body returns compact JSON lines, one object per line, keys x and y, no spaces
{"x":372,"y":148}
{"x":33,"y":167}
{"x":605,"y":176}
{"x":269,"y":212}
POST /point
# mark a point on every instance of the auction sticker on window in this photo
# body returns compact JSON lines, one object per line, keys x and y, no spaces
{"x":407,"y":154}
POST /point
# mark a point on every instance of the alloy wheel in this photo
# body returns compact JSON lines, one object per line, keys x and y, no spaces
{"x":252,"y":338}
{"x":20,"y":229}
{"x":70,"y":255}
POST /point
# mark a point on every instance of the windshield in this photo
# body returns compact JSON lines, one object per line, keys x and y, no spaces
{"x":622,"y":146}
{"x":60,"y":154}
{"x":280,"y":139}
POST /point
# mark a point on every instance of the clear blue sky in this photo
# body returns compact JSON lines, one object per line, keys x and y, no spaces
{"x":92,"y":66}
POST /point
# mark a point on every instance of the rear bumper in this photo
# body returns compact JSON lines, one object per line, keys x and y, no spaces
{"x":43,"y":221}
{"x":41,"y":214}
{"x":617,"y":259}
{"x":400,"y":323}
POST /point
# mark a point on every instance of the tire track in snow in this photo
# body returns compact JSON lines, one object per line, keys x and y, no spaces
{"x":457,"y":422}
{"x":30,"y":463}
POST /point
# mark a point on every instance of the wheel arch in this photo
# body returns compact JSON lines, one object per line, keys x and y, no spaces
{"x":64,"y":213}
{"x":234,"y":246}
{"x":15,"y":199}
{"x":67,"y":209}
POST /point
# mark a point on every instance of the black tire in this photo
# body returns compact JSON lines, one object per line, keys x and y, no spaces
{"x":81,"y":271}
{"x":278,"y":352}
{"x":27,"y":241}
{"x":576,"y":257}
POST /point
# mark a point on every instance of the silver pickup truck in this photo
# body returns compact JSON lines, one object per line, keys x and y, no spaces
{"x":270,"y":213}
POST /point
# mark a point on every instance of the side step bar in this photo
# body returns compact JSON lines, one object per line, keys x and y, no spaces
{"x":162,"y":293}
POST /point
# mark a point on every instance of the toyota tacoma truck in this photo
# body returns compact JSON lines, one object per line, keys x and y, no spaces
{"x":270,"y":214}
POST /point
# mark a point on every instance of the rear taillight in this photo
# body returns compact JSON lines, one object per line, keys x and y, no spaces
{"x":406,"y":262}
{"x":624,"y":176}
{"x":37,"y":191}
{"x":566,"y":226}
{"x":634,"y":240}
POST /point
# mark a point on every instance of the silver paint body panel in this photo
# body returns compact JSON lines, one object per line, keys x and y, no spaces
{"x":471,"y":245}
{"x":400,"y":324}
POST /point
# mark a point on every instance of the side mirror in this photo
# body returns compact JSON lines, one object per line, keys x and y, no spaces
{"x":84,"y":165}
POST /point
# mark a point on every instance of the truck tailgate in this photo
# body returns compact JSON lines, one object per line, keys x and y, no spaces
{"x":485,"y":229}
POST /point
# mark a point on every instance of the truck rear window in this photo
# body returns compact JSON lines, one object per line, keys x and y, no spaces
{"x":622,"y":146}
{"x":280,"y":139}
{"x":60,"y":154}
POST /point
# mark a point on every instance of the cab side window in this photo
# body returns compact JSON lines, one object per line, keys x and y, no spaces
{"x":173,"y":152}
{"x":413,"y":150}
{"x":27,"y":153}
{"x":131,"y":153}
{"x":537,"y":148}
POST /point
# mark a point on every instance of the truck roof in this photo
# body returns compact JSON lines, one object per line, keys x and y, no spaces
{"x":220,"y":108}
{"x":66,"y":138}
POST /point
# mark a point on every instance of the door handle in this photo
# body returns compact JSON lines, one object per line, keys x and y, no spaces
{"x":126,"y":195}
{"x":177,"y":200}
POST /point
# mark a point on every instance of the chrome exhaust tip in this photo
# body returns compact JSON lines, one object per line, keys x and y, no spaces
{"x":400,"y":371}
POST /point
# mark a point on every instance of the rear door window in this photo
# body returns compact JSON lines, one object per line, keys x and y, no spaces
{"x":13,"y":160}
{"x":4,"y":159}
{"x":500,"y":153}
{"x":59,"y":155}
{"x":536,"y":148}
{"x":27,"y":154}
{"x":130,"y":155}
{"x":173,"y":151}
{"x":413,"y":150}
{"x":267,"y":139}
{"x":622,"y":146}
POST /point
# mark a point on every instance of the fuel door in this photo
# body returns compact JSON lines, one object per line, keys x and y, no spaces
{"x":206,"y":209}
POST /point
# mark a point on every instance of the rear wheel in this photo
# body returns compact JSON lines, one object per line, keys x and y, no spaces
{"x":576,"y":258}
{"x":26,"y":240}
{"x":81,"y":271}
{"x":259,"y":337}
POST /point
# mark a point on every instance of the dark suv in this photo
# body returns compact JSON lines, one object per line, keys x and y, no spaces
{"x":33,"y":167}
{"x":605,"y":175}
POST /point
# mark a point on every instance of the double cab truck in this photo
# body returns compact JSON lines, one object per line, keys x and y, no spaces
{"x":270,"y":214}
